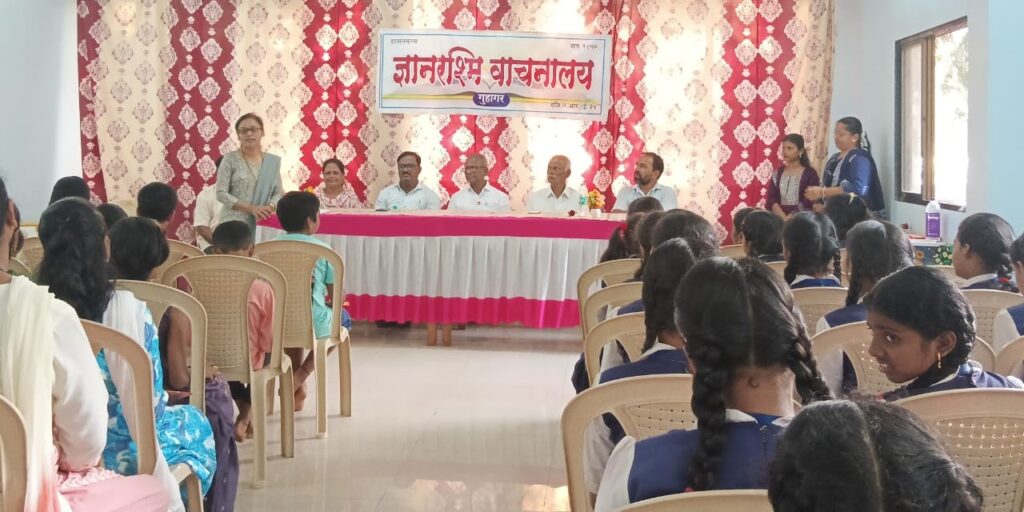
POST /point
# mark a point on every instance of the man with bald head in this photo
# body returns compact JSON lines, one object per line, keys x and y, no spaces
{"x":558,"y":198}
{"x":479,"y":195}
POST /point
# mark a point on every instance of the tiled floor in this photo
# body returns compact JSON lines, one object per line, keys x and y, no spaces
{"x":472,"y":427}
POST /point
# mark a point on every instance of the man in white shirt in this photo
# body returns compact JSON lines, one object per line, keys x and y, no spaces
{"x":207,"y":216}
{"x":646,"y":175}
{"x":409,"y":193}
{"x":558,"y":198}
{"x":479,"y":195}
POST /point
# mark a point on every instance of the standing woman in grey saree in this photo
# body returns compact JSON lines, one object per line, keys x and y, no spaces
{"x":249,"y":180}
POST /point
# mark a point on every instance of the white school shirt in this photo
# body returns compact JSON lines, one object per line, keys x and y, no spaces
{"x":597,"y":439}
{"x":802,"y":277}
{"x":544,"y":200}
{"x":977,"y":279}
{"x":664,"y":194}
{"x":207,"y":212}
{"x":420,"y":198}
{"x":1004,"y":330}
{"x":489,"y":199}
{"x":614,"y":492}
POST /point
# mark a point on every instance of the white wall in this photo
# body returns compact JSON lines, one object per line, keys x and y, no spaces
{"x":867,"y":31}
{"x":39,"y":135}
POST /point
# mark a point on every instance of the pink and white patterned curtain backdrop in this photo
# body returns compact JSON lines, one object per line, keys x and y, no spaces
{"x":711,"y":85}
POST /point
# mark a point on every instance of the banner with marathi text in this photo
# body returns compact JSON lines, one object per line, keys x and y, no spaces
{"x":494,"y":73}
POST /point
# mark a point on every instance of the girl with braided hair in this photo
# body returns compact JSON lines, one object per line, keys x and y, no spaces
{"x":762,"y":236}
{"x":750,"y":351}
{"x":812,"y":251}
{"x":662,"y":352}
{"x":981,"y":253}
{"x":843,"y":456}
{"x":922,"y":333}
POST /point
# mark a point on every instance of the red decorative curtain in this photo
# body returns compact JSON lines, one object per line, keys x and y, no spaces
{"x":711,"y":85}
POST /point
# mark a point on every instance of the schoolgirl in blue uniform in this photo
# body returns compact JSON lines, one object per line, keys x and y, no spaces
{"x":852,"y":170}
{"x":843,"y":456}
{"x":749,"y":350}
{"x":922,"y":333}
{"x":812,"y":251}
{"x":981,"y":253}
{"x":762,"y":236}
{"x":662,"y":352}
{"x":1009,"y":323}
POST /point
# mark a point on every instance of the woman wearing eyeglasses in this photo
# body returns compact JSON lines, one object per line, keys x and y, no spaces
{"x":249,"y":179}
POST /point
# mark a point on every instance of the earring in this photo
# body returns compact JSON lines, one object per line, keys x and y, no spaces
{"x":938,"y":359}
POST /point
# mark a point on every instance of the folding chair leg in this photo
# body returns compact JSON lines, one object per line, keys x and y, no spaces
{"x":259,"y":426}
{"x":287,"y":381}
{"x":345,"y":376}
{"x":320,"y":351}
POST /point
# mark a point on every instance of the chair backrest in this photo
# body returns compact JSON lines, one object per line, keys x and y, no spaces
{"x":610,"y":273}
{"x":815,"y":303}
{"x":296,"y":260}
{"x":984,"y":431}
{"x":159,"y":298}
{"x":629,"y":330}
{"x":854,"y":340}
{"x":986,"y":305}
{"x":178,"y":252}
{"x":1010,"y":357}
{"x":616,"y":295}
{"x":645,"y":406}
{"x":31,"y":254}
{"x":13,"y":457}
{"x":984,"y":354}
{"x":221,"y":284}
{"x":778,"y":266}
{"x":950,"y":273}
{"x":746,"y":500}
{"x":20,"y":268}
{"x":735,"y":251}
{"x":117,"y":345}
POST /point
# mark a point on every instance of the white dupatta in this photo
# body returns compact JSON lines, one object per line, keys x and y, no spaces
{"x":127,"y":315}
{"x":26,"y":379}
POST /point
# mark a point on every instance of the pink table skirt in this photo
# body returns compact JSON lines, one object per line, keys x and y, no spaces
{"x":443,"y":267}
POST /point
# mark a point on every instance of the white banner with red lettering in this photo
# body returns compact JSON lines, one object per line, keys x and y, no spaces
{"x":506,"y":74}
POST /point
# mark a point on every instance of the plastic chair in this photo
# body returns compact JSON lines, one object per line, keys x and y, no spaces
{"x":13,"y":457}
{"x":102,"y":337}
{"x":1010,"y":357}
{"x":778,"y":266}
{"x":645,"y":406}
{"x":950,"y":273}
{"x":854,"y":340}
{"x":178,"y":252}
{"x":629,"y":330}
{"x":611,"y":297}
{"x":735,"y":251}
{"x":610,"y":273}
{"x":31,"y":254}
{"x":707,"y":501}
{"x":983,"y":430}
{"x":986,"y":305}
{"x":817,"y":302}
{"x":159,"y":298}
{"x":297,"y":260}
{"x":17,"y":267}
{"x":984,"y":354}
{"x":221,"y":284}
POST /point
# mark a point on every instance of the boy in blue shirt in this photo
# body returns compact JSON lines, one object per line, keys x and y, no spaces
{"x":299,"y":215}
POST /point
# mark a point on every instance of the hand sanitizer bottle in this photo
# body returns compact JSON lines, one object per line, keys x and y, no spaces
{"x":932,"y":219}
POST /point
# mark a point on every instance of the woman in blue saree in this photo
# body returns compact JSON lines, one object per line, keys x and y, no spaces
{"x":248,"y":179}
{"x":852,"y":170}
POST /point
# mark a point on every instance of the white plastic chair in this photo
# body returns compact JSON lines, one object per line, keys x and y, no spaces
{"x":221,"y":284}
{"x":296,"y":260}
{"x":707,"y":501}
{"x":629,"y":330}
{"x":613,"y":296}
{"x":817,"y":302}
{"x":178,"y":252}
{"x":853,"y":340}
{"x":986,"y":305}
{"x":735,"y":251}
{"x":1009,"y":359}
{"x":31,"y":254}
{"x":610,"y":273}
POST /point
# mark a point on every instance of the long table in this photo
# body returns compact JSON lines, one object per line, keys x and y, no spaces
{"x":455,"y":268}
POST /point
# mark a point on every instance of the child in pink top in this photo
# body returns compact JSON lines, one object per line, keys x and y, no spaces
{"x":234,"y":238}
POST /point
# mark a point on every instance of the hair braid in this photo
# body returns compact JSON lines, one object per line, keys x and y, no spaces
{"x":837,"y":265}
{"x":1004,"y":271}
{"x":708,"y":402}
{"x":809,"y":382}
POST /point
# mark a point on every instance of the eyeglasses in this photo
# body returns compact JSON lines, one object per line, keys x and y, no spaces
{"x":406,"y":167}
{"x":252,"y":129}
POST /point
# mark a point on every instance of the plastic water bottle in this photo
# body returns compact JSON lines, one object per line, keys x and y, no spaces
{"x":932,"y":219}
